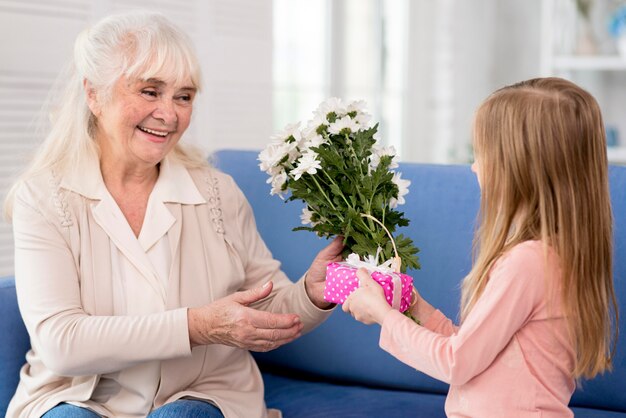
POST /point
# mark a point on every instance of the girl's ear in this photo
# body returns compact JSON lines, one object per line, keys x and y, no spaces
{"x":92,"y":97}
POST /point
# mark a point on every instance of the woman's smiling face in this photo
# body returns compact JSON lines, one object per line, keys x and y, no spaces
{"x":143,"y":120}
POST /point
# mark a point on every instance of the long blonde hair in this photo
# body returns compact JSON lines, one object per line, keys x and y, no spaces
{"x":138,"y":45}
{"x":544,"y":176}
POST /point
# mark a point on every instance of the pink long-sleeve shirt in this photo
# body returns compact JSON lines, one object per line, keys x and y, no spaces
{"x":511,"y":357}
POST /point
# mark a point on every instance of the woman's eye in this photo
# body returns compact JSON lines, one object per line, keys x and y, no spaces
{"x":149,"y":93}
{"x":187,"y":98}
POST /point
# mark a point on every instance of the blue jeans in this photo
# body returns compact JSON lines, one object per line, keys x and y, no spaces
{"x":182,"y":408}
{"x":187,"y":408}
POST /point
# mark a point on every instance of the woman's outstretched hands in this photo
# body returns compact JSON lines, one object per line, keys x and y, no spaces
{"x":316,"y":276}
{"x":230,"y":321}
{"x":367,"y":303}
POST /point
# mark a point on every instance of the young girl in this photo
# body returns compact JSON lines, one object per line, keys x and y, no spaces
{"x":536,"y":306}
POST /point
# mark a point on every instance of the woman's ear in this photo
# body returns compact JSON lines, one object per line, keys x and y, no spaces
{"x":92,"y":97}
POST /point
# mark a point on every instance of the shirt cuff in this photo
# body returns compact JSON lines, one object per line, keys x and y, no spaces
{"x":180,"y":338}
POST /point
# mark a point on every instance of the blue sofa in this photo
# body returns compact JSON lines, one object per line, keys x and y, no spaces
{"x":338,"y":370}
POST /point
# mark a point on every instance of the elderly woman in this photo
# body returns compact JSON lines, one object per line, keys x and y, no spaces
{"x":140,"y":274}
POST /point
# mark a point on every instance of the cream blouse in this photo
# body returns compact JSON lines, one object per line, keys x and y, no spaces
{"x":130,"y":393}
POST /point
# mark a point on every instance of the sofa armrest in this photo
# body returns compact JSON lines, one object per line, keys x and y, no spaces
{"x":15,"y":342}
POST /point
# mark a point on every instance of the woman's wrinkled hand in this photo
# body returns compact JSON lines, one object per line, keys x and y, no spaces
{"x":231,"y":322}
{"x":316,"y":275}
{"x":367,"y":303}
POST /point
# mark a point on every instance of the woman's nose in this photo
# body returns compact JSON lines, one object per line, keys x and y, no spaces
{"x":166,"y":112}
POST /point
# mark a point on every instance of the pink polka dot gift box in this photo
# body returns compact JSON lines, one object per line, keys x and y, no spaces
{"x":341,"y":280}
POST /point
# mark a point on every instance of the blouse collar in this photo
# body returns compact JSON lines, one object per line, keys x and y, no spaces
{"x":174,"y":184}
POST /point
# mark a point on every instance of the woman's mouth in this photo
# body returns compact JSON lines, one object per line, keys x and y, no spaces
{"x":156,"y":134}
{"x":153,"y":131}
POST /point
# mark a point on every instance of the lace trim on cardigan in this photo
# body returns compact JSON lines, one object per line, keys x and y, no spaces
{"x":214,"y":202}
{"x":59,"y":201}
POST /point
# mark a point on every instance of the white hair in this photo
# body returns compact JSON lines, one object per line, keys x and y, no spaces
{"x":136,"y":45}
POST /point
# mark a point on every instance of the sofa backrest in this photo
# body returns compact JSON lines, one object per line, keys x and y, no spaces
{"x":442,"y":206}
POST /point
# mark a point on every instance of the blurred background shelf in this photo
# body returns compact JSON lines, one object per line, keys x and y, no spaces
{"x":576,"y":44}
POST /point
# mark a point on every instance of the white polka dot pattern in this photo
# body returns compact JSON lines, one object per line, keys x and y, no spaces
{"x":341,"y":280}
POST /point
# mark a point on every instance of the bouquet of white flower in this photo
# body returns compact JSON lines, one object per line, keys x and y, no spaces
{"x":336,"y":166}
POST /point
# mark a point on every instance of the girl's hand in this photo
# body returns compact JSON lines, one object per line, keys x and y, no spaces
{"x":367,"y":304}
{"x":316,"y":276}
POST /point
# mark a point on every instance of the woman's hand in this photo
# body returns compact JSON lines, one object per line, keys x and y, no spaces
{"x":231,"y":322}
{"x":367,"y":303}
{"x":316,"y":276}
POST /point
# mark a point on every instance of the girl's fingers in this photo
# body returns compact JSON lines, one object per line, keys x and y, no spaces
{"x":346,"y":305}
{"x":365,"y":279}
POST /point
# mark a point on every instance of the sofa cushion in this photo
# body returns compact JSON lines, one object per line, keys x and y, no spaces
{"x":597,"y":413}
{"x":298,"y":398}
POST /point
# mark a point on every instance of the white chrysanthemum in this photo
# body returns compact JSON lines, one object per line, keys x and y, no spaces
{"x":308,"y":163}
{"x":315,"y":141}
{"x":270,"y":156}
{"x":306,"y":215}
{"x":363,"y":119}
{"x":358,"y":106}
{"x":344,"y":123}
{"x":403,"y":190}
{"x":291,"y":150}
{"x":278,"y":181}
{"x":361,"y":116}
{"x":313,"y":125}
{"x":378,"y":152}
{"x":291,"y":129}
{"x":332,"y":105}
{"x":274,"y":153}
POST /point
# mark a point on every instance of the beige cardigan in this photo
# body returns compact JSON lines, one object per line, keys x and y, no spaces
{"x":63,"y":281}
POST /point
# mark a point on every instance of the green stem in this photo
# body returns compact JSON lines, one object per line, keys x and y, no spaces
{"x":333,"y":182}
{"x":371,"y":229}
{"x":327,"y":198}
{"x":291,"y":167}
{"x":371,"y":200}
{"x":356,"y":159}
